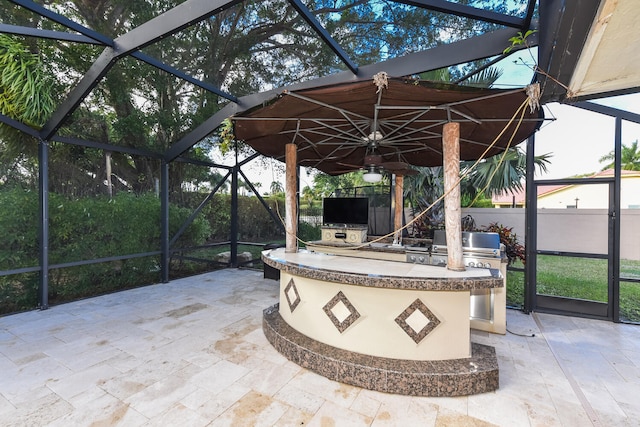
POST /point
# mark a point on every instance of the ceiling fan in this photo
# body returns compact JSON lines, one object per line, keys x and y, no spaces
{"x":373,"y":163}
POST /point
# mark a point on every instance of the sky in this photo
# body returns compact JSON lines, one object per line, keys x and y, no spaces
{"x":578,"y":138}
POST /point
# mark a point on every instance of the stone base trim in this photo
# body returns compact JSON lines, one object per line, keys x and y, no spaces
{"x":457,"y":377}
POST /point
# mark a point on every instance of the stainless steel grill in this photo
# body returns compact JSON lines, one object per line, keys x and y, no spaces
{"x":479,"y":249}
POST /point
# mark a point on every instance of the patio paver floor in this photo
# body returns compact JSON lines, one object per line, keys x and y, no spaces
{"x":191,"y":352}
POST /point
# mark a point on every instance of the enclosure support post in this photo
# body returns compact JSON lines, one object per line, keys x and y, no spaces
{"x":398,"y":208}
{"x":164,"y":221}
{"x":233,"y":240}
{"x":452,"y":208}
{"x":614,"y":234}
{"x":291,"y":189}
{"x":531,"y":229}
{"x":43,"y":183}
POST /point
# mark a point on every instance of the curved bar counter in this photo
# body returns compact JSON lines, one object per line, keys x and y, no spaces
{"x":384,"y":325}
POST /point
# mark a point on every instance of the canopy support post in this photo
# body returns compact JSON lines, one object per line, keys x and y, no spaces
{"x":291,"y":190}
{"x":399,"y":207}
{"x":452,"y":209}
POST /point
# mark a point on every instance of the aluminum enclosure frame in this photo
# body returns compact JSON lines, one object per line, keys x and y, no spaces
{"x":193,"y":11}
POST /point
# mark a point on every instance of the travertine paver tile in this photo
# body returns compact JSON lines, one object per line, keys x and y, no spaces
{"x":506,"y":410}
{"x":218,"y":377}
{"x":31,"y":376}
{"x":5,"y":406}
{"x":365,"y":404}
{"x":252,"y":410}
{"x":80,"y":382}
{"x":193,"y":351}
{"x":267,"y":378}
{"x":99,"y":408}
{"x":211,"y":405}
{"x":179,"y":415}
{"x":156,"y":398}
{"x":331,"y":414}
{"x":294,"y":417}
{"x":37,"y":412}
{"x":338,"y":393}
{"x":402,"y":411}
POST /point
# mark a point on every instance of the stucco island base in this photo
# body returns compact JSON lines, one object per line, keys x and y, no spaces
{"x":405,"y":331}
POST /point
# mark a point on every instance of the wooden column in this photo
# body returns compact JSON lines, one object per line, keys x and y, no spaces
{"x":399,"y":205}
{"x":452,"y":209}
{"x":291,"y":206}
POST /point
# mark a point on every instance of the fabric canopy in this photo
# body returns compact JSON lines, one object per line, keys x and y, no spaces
{"x":337,"y":127}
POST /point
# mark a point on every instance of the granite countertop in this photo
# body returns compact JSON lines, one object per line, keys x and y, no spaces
{"x":368,"y":246}
{"x":380,"y":273}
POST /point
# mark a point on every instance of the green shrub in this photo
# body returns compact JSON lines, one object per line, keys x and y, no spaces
{"x":85,"y":229}
{"x":254,"y":222}
{"x":308,"y":232}
{"x":18,"y":229}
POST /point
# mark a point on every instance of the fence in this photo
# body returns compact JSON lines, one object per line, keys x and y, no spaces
{"x":569,"y":230}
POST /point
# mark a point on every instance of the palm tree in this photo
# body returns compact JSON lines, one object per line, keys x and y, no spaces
{"x":308,"y":196}
{"x":629,"y":157}
{"x":276,"y":187}
{"x":489,"y":177}
{"x":423,"y":190}
{"x":501,"y":172}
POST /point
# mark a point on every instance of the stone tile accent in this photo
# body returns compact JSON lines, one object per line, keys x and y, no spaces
{"x":334,"y":304}
{"x":430,"y":321}
{"x":288,"y":290}
{"x":458,"y":377}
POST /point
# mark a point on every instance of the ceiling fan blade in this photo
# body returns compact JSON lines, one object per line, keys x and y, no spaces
{"x":395,"y":165}
{"x":405,"y":172}
{"x":349,"y":165}
{"x":343,"y":171}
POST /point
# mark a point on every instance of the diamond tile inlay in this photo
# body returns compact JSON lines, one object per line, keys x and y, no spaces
{"x":341,"y":312}
{"x":417,"y":321}
{"x":291,"y":292}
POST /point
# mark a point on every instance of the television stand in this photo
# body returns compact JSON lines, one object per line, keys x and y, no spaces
{"x":344,"y":234}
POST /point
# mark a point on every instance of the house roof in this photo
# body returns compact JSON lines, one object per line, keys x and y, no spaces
{"x":508,"y":197}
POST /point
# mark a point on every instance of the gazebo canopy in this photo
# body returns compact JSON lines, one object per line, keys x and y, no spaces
{"x":337,"y":126}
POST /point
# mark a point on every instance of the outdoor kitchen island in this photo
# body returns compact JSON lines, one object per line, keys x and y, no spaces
{"x":382,"y":325}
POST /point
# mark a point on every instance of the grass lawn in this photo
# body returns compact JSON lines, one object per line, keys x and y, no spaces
{"x":582,"y":278}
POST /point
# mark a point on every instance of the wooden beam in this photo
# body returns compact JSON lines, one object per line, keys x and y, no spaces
{"x":291,"y":189}
{"x":452,"y":209}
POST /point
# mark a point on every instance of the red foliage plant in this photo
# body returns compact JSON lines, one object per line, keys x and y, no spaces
{"x":514,"y":250}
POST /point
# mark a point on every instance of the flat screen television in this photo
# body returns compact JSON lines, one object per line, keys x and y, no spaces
{"x":345,"y":211}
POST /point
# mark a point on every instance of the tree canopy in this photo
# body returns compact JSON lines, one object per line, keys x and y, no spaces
{"x":629,"y":158}
{"x":249,"y":47}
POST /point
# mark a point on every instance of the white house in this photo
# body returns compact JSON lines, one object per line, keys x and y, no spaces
{"x":581,"y":196}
